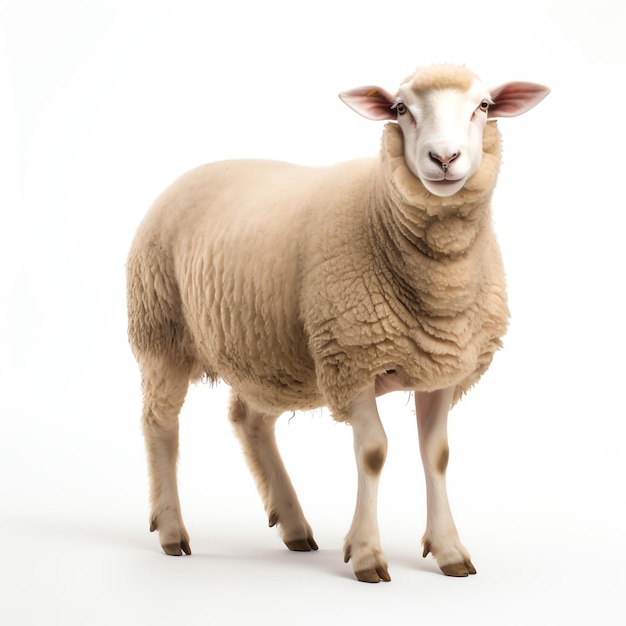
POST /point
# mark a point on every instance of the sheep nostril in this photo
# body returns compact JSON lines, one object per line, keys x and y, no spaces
{"x":434,"y":157}
{"x":444,"y":162}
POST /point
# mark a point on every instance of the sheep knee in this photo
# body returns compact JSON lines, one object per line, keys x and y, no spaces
{"x":374,"y":459}
{"x":442,"y":461}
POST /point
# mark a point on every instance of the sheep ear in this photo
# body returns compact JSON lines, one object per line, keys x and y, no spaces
{"x":512,"y":99}
{"x":371,"y":102}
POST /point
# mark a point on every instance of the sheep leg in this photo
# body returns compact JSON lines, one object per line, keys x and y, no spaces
{"x":164,"y":389}
{"x":255,"y":431}
{"x":441,"y":537}
{"x":362,"y":544}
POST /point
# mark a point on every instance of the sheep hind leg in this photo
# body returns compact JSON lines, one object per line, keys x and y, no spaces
{"x":164,"y":387}
{"x":255,"y":431}
{"x":441,"y":537}
{"x":362,"y":543}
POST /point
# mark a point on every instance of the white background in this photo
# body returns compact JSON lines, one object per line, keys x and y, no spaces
{"x":102,"y":104}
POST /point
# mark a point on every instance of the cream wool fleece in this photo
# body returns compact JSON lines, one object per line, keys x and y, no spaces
{"x":298,"y":286}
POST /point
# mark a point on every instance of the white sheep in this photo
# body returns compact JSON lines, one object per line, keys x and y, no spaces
{"x":302,"y":287}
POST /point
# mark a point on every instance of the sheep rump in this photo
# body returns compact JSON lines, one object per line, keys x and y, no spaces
{"x":300,"y":286}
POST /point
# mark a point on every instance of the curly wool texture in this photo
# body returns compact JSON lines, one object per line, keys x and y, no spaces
{"x":431,"y":300}
{"x":298,"y":286}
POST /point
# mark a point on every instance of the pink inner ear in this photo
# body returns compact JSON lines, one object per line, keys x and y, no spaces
{"x":516,"y":98}
{"x":371,"y":102}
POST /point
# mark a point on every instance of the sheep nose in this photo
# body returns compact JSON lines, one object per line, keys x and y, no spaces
{"x":444,"y":162}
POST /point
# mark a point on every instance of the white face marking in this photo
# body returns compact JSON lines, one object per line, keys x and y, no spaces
{"x":443,"y":132}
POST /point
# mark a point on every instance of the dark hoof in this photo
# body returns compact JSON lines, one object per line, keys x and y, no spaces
{"x":373,"y":575}
{"x":302,"y":545}
{"x":459,"y":570}
{"x":176,"y":549}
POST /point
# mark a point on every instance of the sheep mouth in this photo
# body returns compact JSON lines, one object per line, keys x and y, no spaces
{"x":447,"y":181}
{"x":445,"y":186}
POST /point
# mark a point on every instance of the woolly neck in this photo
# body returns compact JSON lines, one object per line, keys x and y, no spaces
{"x":406,"y":213}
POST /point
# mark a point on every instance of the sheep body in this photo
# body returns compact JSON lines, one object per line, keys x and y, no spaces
{"x":294,"y":297}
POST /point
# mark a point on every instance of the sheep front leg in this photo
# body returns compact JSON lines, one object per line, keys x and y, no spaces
{"x":362,"y":543}
{"x":441,"y":537}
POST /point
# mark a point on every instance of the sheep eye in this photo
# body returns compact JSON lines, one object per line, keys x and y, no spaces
{"x":484,"y":105}
{"x":400,"y":107}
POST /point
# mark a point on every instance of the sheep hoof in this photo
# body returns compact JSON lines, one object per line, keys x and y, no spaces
{"x":457,"y":562}
{"x":176,"y":549}
{"x":459,"y":570}
{"x":302,"y":545}
{"x":373,"y":567}
{"x":373,"y":575}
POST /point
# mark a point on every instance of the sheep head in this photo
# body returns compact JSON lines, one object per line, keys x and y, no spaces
{"x":442,"y":111}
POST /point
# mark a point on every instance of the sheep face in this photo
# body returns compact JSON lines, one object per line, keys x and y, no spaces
{"x":442,"y":111}
{"x":443,"y":133}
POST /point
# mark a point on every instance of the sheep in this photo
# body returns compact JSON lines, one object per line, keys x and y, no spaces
{"x":305,"y":287}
